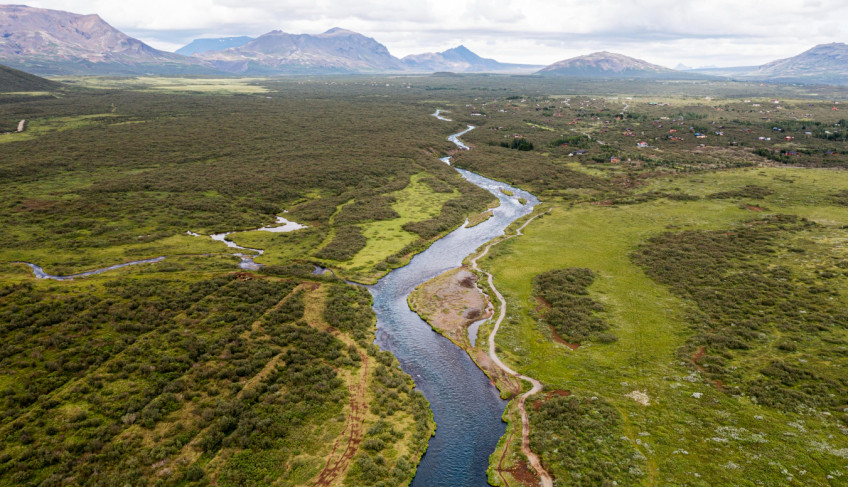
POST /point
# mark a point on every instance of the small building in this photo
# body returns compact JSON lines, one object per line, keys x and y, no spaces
{"x":615,"y":160}
{"x":642,"y":145}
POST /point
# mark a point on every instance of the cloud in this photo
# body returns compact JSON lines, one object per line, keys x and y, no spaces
{"x":722,"y":32}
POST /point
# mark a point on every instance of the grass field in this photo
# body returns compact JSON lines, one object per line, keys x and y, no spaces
{"x":691,"y":433}
{"x":221,"y":86}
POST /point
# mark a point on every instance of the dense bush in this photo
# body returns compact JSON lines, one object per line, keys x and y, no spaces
{"x":750,"y":191}
{"x":346,"y":243}
{"x":566,"y":305}
{"x":582,"y":443}
{"x":743,"y":305}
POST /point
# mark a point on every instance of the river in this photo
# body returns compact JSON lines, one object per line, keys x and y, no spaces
{"x":466,"y":405}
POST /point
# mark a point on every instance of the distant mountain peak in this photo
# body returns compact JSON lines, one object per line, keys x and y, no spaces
{"x":199,"y":46}
{"x":56,"y":42}
{"x":338,"y":31}
{"x":604,"y":64}
{"x":460,"y":59}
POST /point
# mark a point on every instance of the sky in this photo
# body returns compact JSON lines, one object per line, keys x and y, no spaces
{"x":694,"y":33}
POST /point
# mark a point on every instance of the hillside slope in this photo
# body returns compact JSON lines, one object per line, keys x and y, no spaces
{"x":15,"y":80}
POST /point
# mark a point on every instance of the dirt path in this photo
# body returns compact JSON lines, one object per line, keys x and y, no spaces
{"x":341,"y":455}
{"x":535,"y":462}
{"x":347,"y":443}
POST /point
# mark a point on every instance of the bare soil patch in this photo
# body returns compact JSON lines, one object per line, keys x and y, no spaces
{"x":451,"y":302}
{"x":558,"y":339}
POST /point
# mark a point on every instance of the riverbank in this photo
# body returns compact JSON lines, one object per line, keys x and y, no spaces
{"x":440,"y":300}
{"x":508,"y":465}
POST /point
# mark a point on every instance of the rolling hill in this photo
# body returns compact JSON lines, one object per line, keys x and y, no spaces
{"x":606,"y":65}
{"x":462,"y":60}
{"x":13,"y":80}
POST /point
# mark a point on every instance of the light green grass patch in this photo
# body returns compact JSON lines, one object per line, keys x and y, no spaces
{"x":689,"y":425}
{"x":177,"y":85}
{"x":35,"y":128}
{"x":416,"y":202}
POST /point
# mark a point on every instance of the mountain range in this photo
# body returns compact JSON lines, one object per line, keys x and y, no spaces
{"x":51,"y":42}
{"x":337,"y":50}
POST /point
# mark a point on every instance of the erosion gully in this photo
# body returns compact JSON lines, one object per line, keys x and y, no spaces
{"x":466,"y":405}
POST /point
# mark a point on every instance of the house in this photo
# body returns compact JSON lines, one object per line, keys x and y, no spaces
{"x":789,"y":137}
{"x":615,"y":160}
{"x":642,"y":145}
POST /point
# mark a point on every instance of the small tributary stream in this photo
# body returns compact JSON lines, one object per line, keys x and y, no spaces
{"x":466,"y":405}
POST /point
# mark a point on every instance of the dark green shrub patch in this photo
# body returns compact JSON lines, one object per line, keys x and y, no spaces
{"x":346,"y":243}
{"x":566,"y":306}
{"x":746,"y":310}
{"x":583,"y":441}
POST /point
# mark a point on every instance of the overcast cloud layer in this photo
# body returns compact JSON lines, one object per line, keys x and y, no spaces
{"x":695,"y":33}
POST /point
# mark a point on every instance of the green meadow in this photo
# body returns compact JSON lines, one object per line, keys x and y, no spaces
{"x":690,"y":433}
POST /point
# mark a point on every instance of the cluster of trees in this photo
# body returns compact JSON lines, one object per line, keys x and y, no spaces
{"x":567,"y":307}
{"x":520,"y":143}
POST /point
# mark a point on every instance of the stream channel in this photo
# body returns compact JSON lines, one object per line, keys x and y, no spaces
{"x":466,"y":405}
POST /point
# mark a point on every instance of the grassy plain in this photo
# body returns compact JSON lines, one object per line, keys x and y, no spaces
{"x":692,"y":433}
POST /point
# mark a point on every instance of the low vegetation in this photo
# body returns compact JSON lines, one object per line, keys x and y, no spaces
{"x":566,"y":306}
{"x":702,"y":273}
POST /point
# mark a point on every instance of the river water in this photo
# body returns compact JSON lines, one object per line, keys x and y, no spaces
{"x":466,"y":405}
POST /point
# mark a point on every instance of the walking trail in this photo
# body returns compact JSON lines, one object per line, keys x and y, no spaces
{"x":532,"y":458}
{"x":535,"y":462}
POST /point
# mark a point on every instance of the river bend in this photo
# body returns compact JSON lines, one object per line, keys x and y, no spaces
{"x":466,"y":405}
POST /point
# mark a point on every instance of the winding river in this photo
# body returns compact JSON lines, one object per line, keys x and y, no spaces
{"x":466,"y":405}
